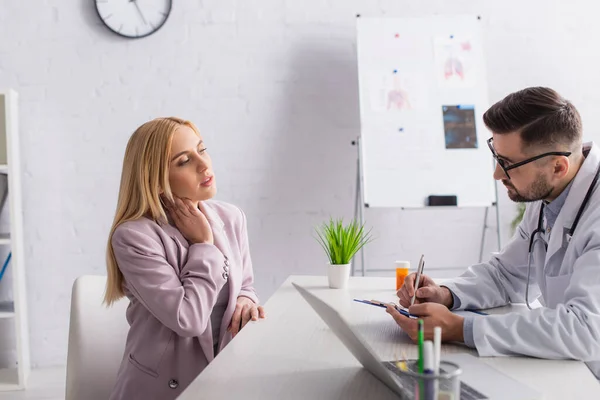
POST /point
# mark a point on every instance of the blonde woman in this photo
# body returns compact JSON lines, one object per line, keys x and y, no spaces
{"x":181,"y":259}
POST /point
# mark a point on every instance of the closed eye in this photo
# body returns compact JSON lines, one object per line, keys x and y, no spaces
{"x":200,"y":150}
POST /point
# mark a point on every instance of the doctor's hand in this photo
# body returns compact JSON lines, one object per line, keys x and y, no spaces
{"x":428,"y":291}
{"x":245,"y":310}
{"x":432,"y":315}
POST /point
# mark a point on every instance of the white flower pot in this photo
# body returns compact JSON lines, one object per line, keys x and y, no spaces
{"x":338,"y":275}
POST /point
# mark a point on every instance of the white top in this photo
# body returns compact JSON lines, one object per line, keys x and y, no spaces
{"x":293,"y":355}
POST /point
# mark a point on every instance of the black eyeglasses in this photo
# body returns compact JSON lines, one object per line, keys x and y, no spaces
{"x":506,"y":168}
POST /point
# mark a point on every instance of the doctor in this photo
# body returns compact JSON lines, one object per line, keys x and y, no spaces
{"x":537,"y":144}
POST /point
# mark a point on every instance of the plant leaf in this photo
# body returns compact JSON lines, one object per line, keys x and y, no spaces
{"x":341,"y":242}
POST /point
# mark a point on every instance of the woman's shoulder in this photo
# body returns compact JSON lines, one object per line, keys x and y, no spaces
{"x":140,"y":228}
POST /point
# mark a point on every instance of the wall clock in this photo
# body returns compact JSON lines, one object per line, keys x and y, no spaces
{"x":133,"y":18}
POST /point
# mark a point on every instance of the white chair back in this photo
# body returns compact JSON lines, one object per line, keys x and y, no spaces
{"x":97,"y":337}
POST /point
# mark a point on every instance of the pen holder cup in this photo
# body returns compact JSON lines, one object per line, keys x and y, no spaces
{"x":442,"y":386}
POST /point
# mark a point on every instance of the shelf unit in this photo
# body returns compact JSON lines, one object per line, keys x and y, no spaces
{"x":15,"y":377}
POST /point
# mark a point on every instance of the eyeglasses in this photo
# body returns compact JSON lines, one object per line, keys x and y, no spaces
{"x":506,"y":168}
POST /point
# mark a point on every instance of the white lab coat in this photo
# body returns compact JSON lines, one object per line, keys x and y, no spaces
{"x":566,"y":277}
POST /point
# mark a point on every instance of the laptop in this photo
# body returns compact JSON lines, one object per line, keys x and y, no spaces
{"x":478,"y":380}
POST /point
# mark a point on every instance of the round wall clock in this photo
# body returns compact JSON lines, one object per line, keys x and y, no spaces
{"x":133,"y":18}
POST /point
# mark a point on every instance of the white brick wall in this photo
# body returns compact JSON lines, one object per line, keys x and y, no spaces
{"x":273,"y":86}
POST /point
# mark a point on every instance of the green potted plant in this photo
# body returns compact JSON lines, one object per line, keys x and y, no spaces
{"x":341,"y":242}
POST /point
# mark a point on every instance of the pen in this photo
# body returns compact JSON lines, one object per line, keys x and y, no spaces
{"x":384,"y":305}
{"x":5,"y":265}
{"x":476,"y":311}
{"x":418,"y":278}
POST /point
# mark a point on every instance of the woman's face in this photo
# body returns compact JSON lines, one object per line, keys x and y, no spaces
{"x":190,"y":168}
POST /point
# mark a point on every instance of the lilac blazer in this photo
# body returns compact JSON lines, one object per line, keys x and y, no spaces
{"x":173,"y":287}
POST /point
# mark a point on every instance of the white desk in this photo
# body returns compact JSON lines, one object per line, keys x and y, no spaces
{"x":294,"y":355}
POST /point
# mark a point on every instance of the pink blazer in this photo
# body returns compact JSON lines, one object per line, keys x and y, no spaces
{"x":173,"y":287}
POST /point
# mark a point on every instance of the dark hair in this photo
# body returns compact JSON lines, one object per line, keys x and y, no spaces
{"x":540,"y":115}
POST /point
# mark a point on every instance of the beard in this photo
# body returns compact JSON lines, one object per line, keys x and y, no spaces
{"x":539,"y":190}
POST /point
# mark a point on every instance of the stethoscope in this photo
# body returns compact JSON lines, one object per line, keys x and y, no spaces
{"x":540,"y":229}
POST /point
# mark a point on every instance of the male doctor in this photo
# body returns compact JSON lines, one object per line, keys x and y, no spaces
{"x":537,"y":144}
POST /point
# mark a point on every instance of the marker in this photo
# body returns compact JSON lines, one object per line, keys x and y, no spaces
{"x":437,"y":348}
{"x":420,"y":339}
{"x":428,"y":370}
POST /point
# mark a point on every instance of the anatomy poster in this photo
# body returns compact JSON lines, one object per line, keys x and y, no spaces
{"x":454,"y":61}
{"x":389,"y":92}
{"x":396,"y":91}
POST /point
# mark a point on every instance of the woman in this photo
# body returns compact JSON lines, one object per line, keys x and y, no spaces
{"x":181,"y":259}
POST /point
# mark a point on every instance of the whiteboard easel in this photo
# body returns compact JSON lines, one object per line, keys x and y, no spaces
{"x":422,"y":95}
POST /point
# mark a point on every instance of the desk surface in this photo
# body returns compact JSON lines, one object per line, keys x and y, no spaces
{"x":293,"y":355}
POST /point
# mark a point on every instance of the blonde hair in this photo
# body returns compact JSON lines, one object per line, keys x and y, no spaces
{"x":144,"y":177}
